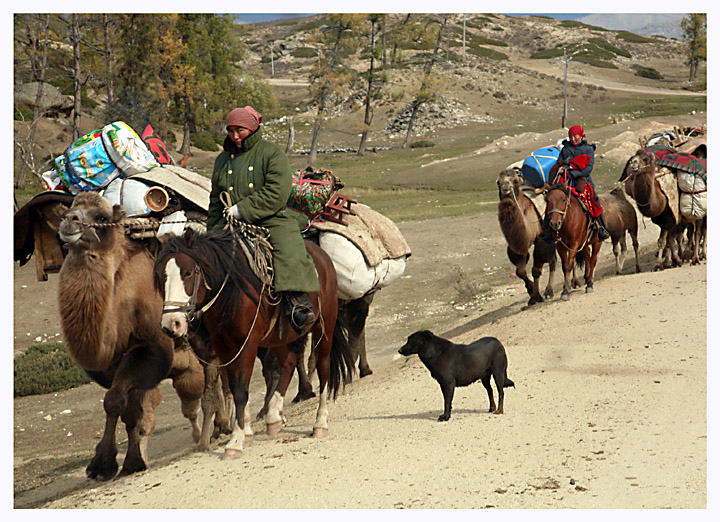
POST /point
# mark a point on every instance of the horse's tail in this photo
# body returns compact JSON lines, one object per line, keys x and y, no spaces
{"x":342,"y":364}
{"x":580,"y":261}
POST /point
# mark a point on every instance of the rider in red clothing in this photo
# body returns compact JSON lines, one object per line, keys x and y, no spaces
{"x":576,"y":161}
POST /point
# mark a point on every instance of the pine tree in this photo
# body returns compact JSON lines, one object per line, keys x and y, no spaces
{"x":694,"y":28}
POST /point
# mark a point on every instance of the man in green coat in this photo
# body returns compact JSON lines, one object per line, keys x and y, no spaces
{"x":256,"y":175}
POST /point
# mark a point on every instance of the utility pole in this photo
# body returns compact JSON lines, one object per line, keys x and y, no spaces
{"x":566,"y":59}
{"x":464,"y":36}
{"x":272,"y":58}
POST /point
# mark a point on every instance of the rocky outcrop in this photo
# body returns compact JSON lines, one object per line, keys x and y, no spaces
{"x":52,"y":101}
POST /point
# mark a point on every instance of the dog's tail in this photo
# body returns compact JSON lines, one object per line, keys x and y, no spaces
{"x":508,"y":382}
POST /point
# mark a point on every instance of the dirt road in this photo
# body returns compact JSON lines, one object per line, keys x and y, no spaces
{"x":605,"y":384}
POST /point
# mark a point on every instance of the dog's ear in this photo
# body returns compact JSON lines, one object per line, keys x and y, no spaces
{"x":426,"y":335}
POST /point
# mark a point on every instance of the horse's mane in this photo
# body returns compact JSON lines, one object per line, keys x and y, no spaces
{"x":218,"y":255}
{"x":560,"y":186}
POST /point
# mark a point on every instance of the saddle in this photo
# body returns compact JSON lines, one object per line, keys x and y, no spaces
{"x":587,"y":201}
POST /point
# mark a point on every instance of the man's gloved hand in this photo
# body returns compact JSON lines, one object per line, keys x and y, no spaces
{"x":233,"y":212}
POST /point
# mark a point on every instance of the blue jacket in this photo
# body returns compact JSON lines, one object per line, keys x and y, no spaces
{"x":578,"y":160}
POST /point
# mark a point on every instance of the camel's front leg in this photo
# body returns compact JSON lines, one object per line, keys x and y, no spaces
{"x":104,"y":464}
{"x":662,"y":243}
{"x":139,"y":419}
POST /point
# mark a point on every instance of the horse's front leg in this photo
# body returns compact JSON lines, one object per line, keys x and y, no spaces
{"x":590,"y":262}
{"x":274,"y":417}
{"x":568,"y":262}
{"x":240,"y":386}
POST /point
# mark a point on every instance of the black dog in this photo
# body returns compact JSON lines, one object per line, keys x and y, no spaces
{"x":454,"y":365}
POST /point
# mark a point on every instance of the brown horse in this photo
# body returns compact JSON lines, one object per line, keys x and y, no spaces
{"x":571,"y":230}
{"x":207,"y":277}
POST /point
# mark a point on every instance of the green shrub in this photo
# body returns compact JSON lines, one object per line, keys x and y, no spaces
{"x":633,"y":38}
{"x":22,"y":112}
{"x":603,"y":44}
{"x":421,"y":144}
{"x":547,"y":53}
{"x":303,"y":52}
{"x":594,"y":61}
{"x":647,"y":72}
{"x":203,"y":141}
{"x":46,"y":368}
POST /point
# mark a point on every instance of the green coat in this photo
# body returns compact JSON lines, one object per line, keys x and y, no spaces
{"x":259,"y":180}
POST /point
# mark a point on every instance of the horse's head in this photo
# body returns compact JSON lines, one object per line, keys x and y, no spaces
{"x":558,"y":202}
{"x":181,"y":281}
{"x":89,"y":222}
{"x":509,"y":182}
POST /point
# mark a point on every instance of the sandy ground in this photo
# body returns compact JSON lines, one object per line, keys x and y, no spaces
{"x":609,"y":409}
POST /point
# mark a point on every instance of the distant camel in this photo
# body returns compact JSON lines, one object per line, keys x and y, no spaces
{"x":110,"y":317}
{"x":620,"y":218}
{"x":521,"y":224}
{"x":642,"y":185}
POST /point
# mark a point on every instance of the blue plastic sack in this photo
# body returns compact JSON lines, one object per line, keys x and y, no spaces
{"x":536,"y":167}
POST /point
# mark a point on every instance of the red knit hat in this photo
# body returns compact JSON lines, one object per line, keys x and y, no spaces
{"x":246,"y":117}
{"x":576,"y":130}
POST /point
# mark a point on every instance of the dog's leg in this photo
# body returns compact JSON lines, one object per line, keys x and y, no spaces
{"x":486,"y":382}
{"x":499,"y":378}
{"x":448,"y":391}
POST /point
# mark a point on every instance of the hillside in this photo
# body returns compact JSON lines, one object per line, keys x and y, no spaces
{"x":499,"y":89}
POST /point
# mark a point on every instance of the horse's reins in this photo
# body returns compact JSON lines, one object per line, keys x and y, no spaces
{"x":562,"y":221}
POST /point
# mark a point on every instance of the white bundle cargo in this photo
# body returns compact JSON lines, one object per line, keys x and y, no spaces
{"x":693,"y":195}
{"x":130,"y":194}
{"x":355,"y":277}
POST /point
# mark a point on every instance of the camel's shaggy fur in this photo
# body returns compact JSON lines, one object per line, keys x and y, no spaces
{"x":110,"y":317}
{"x":642,"y":185}
{"x":521,"y":224}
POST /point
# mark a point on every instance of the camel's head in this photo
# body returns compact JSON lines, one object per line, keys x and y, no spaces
{"x":88,"y":222}
{"x":509,"y":181}
{"x":642,"y":162}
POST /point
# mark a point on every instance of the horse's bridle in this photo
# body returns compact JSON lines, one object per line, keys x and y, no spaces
{"x":563,"y":213}
{"x":189,"y":308}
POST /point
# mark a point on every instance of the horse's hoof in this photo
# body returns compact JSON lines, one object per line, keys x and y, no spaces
{"x":589,"y":290}
{"x":232,"y":454}
{"x":319,"y":433}
{"x":248,"y":440}
{"x":565,"y":297}
{"x":274,"y":428}
{"x":365,"y":373}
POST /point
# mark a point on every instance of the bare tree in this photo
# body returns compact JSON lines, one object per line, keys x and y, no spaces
{"x":342,"y":23}
{"x":77,"y":83}
{"x":291,"y":137}
{"x":368,"y":95}
{"x":424,"y":95}
{"x":25,"y":148}
{"x":108,"y":59}
{"x":694,"y":28}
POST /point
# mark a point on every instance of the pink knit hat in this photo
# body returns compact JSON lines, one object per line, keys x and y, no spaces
{"x":246,"y":117}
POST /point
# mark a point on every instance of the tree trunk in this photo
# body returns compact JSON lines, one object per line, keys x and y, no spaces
{"x":323,"y":94}
{"x":428,"y":68}
{"x":108,"y":60}
{"x":26,"y":152}
{"x":291,"y":138}
{"x":368,"y":95}
{"x":76,"y":76}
